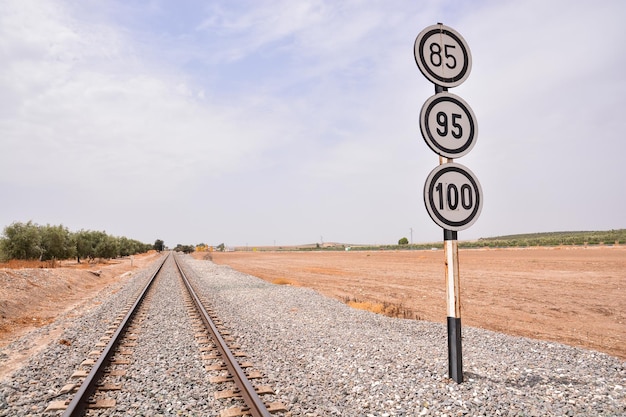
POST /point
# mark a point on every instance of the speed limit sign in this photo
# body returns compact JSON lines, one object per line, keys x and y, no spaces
{"x":453,"y":196}
{"x":442,"y":55}
{"x":452,"y":193}
{"x":448,"y":125}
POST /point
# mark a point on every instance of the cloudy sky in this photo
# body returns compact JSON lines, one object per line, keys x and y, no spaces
{"x":287,"y":122}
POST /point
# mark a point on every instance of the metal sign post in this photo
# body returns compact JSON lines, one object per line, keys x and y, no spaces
{"x":453,"y":301}
{"x":452,"y":193}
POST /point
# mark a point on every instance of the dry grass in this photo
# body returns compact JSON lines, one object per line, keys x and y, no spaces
{"x":385,"y":308}
{"x":282,"y":281}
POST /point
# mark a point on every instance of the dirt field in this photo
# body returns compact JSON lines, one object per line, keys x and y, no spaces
{"x":570,"y":295}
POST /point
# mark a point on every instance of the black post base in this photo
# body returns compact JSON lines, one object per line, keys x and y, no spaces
{"x":455,"y":352}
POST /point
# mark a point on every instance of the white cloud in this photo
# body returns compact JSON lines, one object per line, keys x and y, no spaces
{"x":80,"y":103}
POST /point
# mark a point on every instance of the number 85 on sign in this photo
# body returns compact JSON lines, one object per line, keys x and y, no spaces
{"x":453,"y":196}
{"x":442,"y":55}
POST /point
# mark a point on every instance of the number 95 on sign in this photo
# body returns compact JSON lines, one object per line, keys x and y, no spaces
{"x":448,"y":125}
{"x":453,"y":196}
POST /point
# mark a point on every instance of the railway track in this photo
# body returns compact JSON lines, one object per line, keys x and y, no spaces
{"x":92,"y":389}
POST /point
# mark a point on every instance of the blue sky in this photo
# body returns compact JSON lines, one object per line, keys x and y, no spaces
{"x":282,"y":122}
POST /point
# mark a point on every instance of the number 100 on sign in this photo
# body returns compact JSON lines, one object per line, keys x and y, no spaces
{"x":453,"y":196}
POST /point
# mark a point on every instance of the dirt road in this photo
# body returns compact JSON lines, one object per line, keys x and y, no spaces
{"x":572,"y":295}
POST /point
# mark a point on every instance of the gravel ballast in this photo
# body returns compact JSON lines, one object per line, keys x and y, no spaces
{"x":322,"y":358}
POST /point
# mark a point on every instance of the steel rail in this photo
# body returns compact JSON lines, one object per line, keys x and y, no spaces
{"x":79,"y":403}
{"x":253,"y":401}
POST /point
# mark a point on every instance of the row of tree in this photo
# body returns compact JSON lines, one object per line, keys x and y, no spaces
{"x":31,"y":241}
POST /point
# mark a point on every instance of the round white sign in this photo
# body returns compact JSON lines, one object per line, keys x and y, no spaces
{"x":442,"y":55}
{"x":448,"y":125}
{"x":453,"y":196}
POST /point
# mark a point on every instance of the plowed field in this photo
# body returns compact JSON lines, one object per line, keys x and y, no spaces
{"x":572,"y":295}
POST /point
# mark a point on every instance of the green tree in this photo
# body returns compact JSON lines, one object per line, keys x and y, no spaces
{"x":55,"y":243}
{"x":185,"y":248}
{"x":159,"y":245}
{"x":132,"y":247}
{"x":21,"y":241}
{"x":403,"y":241}
{"x":85,"y":244}
{"x":92,"y":244}
{"x":126,"y":246}
{"x":106,"y":247}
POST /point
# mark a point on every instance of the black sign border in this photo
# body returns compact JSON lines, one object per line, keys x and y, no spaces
{"x":435,"y":145}
{"x":467,"y":174}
